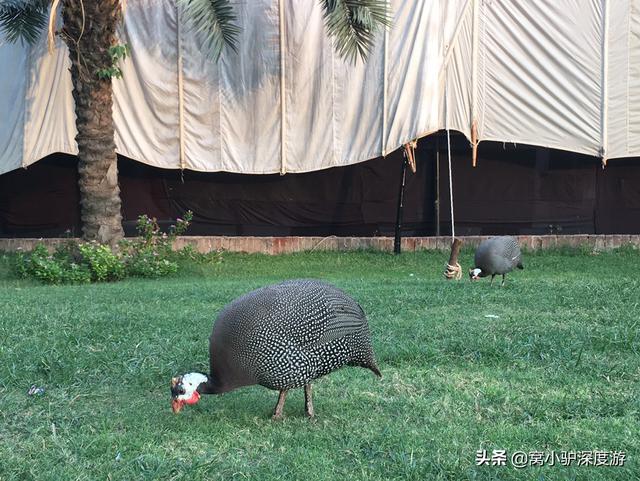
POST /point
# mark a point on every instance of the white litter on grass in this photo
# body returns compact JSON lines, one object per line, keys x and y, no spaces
{"x":118,"y":456}
{"x":492,"y":316}
{"x":35,"y":391}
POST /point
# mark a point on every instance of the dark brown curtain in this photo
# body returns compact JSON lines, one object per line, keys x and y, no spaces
{"x":514,"y":189}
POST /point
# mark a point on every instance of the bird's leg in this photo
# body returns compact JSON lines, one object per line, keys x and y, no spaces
{"x":277,"y":412}
{"x":492,"y":276}
{"x":503,"y":278}
{"x":308,"y":403}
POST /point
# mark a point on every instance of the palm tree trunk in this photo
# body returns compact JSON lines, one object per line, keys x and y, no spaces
{"x":89,"y":30}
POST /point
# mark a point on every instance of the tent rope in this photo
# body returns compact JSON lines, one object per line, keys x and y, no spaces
{"x":453,"y":223}
{"x":322,"y":240}
{"x":453,"y":271}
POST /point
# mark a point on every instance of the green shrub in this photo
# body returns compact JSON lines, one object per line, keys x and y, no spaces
{"x":189,"y":255}
{"x":103,"y":263}
{"x":149,"y":255}
{"x":76,"y":274}
{"x":51,"y":268}
{"x":147,"y":262}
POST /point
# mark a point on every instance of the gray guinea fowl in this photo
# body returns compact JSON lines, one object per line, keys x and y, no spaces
{"x":281,"y":337}
{"x":498,"y":255}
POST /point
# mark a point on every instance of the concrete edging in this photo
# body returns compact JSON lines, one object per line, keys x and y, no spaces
{"x":282,"y":245}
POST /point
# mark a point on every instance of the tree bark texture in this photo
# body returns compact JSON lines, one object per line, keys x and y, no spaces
{"x":89,"y":31}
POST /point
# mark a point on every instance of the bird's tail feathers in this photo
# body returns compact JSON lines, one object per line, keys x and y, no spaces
{"x":374,"y":368}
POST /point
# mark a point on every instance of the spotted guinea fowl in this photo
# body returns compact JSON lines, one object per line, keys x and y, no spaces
{"x":282,"y":337}
{"x":498,"y":255}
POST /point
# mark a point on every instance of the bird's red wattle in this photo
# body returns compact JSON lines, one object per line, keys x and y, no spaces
{"x":194,"y":398}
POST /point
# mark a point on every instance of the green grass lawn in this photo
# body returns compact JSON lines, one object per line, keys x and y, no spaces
{"x":550,"y":362}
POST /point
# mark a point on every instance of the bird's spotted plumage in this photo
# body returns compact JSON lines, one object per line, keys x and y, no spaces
{"x":285,"y":336}
{"x":497,"y":255}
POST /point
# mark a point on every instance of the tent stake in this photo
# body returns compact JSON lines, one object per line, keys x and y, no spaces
{"x":398,"y":238}
{"x":453,"y":269}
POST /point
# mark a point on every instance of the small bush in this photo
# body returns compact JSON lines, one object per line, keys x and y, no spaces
{"x":149,"y":255}
{"x":147,"y":262}
{"x":103,"y":263}
{"x":190,"y":255}
{"x":76,"y":274}
{"x":51,"y":268}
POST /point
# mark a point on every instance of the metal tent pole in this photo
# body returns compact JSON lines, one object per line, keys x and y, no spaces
{"x":398,"y":237}
{"x":437,"y":202}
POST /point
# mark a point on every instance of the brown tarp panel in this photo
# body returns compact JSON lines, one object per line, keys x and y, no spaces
{"x":514,"y":189}
{"x":42,"y":201}
{"x":354,"y":200}
{"x":618,"y":189}
{"x":522,"y":190}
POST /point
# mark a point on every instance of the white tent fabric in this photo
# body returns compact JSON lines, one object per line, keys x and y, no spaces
{"x":563,"y":74}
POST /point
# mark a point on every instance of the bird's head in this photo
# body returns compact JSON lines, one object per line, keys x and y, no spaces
{"x":184,"y":389}
{"x":475,"y":274}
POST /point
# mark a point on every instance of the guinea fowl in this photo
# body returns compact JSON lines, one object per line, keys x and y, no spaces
{"x":281,"y":337}
{"x":498,"y":255}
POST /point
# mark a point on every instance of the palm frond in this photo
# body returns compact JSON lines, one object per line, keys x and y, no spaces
{"x":23,"y":19}
{"x":213,"y":21}
{"x":354,"y":25}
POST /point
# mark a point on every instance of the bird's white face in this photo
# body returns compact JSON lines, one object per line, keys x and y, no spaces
{"x":474,"y":274}
{"x":184,"y":390}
